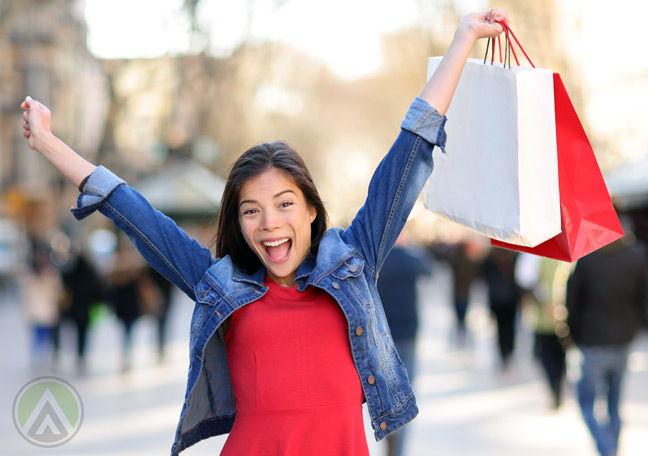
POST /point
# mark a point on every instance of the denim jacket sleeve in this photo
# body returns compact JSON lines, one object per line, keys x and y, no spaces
{"x":164,"y":245}
{"x":397,"y":183}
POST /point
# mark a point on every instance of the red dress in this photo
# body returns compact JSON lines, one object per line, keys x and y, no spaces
{"x":296,"y":387}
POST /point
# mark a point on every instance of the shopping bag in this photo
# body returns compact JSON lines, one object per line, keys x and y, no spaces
{"x":499,"y":172}
{"x":589,"y":220}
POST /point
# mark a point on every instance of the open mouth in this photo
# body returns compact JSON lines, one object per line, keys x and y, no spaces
{"x":278,"y":250}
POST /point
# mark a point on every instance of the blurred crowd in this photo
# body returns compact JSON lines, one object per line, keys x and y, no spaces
{"x":65,"y":290}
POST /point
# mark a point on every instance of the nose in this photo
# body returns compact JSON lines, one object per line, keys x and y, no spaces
{"x":271,"y":221}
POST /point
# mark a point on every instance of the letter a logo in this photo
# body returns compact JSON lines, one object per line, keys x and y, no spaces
{"x":48,"y":411}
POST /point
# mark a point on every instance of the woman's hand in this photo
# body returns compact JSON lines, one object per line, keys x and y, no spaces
{"x":36,"y":121}
{"x":483,"y":25}
{"x":441,"y":86}
{"x":36,"y":128}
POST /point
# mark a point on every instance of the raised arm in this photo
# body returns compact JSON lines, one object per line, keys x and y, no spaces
{"x":441,"y":86}
{"x":159,"y":240}
{"x":401,"y":175}
{"x":36,"y":128}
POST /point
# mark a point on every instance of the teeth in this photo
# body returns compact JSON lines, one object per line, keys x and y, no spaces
{"x":275,"y":243}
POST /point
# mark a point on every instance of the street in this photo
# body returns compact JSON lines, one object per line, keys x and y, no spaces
{"x":467,"y":405}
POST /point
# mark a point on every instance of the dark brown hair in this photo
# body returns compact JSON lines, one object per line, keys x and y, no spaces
{"x":229,"y":239}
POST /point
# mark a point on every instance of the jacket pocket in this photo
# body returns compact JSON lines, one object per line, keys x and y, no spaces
{"x":352,"y":267}
{"x":206,"y":300}
{"x":354,"y":282}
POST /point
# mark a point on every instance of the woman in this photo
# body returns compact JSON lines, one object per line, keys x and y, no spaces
{"x":288,"y":336}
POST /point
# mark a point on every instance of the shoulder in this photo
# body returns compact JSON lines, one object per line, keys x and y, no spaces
{"x":336,"y":249}
{"x":223,"y":275}
{"x":336,"y":241}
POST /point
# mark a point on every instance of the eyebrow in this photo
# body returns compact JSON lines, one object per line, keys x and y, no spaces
{"x":277,"y":195}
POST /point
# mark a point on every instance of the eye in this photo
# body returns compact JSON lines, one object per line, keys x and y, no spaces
{"x":249,"y":212}
{"x":286,"y":204}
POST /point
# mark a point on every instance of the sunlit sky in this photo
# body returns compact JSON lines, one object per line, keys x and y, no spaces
{"x":344,"y":33}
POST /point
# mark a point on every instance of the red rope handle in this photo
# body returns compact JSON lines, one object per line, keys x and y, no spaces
{"x":508,"y":30}
{"x":510,"y":44}
{"x":499,"y":46}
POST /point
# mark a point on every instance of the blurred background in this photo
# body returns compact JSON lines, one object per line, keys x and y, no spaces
{"x":167,"y":93}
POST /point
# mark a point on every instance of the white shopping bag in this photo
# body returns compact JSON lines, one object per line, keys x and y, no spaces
{"x":499,"y":174}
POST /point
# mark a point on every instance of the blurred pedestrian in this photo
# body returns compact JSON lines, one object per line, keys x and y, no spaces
{"x":83,"y":287}
{"x":160,"y":309}
{"x":504,"y":296}
{"x":130,"y":294}
{"x":397,"y":287}
{"x":42,"y":291}
{"x":465,"y":264}
{"x":606,"y":301}
{"x":545,"y":280}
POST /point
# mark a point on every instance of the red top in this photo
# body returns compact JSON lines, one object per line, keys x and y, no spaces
{"x":296,"y":387}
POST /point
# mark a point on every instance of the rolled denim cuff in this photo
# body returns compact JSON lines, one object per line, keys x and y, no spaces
{"x":424,"y":120}
{"x":99,"y":186}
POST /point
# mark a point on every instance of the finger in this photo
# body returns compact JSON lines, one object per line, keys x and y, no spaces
{"x":26,"y":134}
{"x":26,"y":126}
{"x":27,"y":103}
{"x":498,"y":15}
{"x":493,"y":28}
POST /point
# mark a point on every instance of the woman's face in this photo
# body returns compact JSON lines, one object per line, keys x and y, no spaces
{"x":276,"y":223}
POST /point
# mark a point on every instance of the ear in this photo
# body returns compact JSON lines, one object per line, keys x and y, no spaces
{"x":312,"y":213}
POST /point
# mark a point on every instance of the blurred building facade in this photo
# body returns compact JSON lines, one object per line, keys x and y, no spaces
{"x":43,"y":50}
{"x":45,"y":56}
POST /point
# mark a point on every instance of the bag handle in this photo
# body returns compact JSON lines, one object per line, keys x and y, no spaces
{"x":508,"y":49}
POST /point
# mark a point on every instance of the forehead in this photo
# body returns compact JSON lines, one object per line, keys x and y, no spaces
{"x":268,"y":184}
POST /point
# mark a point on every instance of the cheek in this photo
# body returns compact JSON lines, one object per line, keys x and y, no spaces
{"x":306,"y":231}
{"x":247,"y":233}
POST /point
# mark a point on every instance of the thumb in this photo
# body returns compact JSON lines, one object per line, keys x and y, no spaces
{"x":27,"y":103}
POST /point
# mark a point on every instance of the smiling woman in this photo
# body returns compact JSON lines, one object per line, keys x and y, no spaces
{"x":276,"y":219}
{"x":288,"y":334}
{"x":276,"y":224}
{"x":269,"y":180}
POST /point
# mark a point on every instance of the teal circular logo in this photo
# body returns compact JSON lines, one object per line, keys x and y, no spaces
{"x":48,"y":411}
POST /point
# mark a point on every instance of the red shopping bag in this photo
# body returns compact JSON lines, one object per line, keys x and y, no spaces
{"x":588,"y":219}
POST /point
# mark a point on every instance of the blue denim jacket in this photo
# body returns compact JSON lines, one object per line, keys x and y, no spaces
{"x":346,"y":267}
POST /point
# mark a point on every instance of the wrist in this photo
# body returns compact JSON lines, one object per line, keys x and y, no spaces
{"x":41,"y":140}
{"x":466,"y":34}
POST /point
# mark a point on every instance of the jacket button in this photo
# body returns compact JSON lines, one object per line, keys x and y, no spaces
{"x":371,"y":380}
{"x":359,"y":331}
{"x":383,"y":426}
{"x":353,"y":268}
{"x":336,"y":285}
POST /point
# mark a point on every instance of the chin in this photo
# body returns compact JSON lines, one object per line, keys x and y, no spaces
{"x":279,"y":274}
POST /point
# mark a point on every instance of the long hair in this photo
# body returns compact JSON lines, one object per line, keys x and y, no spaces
{"x":229,"y":239}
